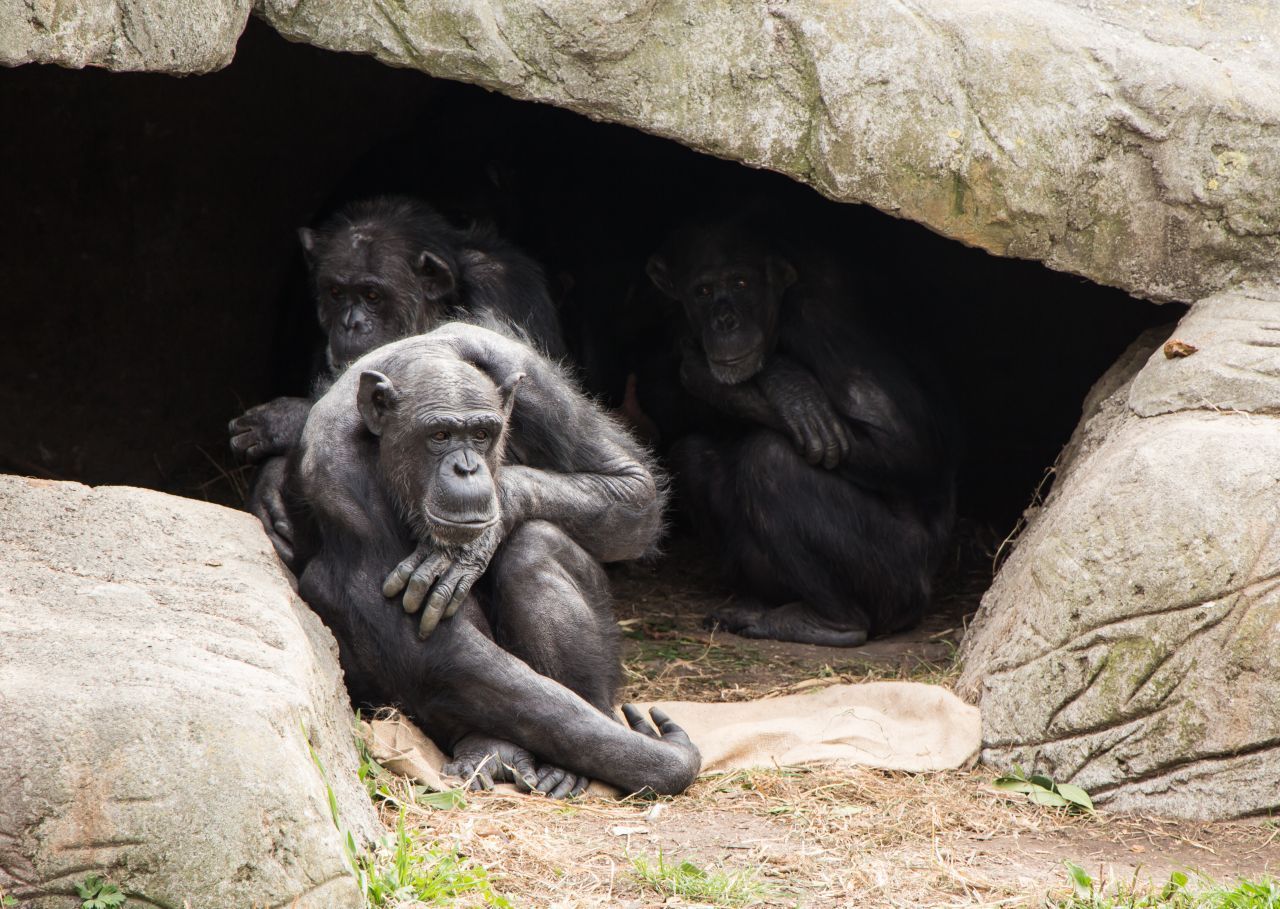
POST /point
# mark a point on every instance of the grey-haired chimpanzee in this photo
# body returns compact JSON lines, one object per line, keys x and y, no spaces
{"x":383,"y":269}
{"x":831,"y":502}
{"x":509,"y":487}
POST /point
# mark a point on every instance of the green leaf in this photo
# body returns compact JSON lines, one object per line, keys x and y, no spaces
{"x":1014,"y":784}
{"x":443,"y":801}
{"x":1081,"y":883}
{"x":89,"y":887}
{"x":1047,"y":798}
{"x":1075,"y":795}
{"x":1042,"y":781}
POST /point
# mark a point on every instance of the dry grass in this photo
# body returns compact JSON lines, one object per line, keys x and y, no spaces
{"x":825,"y":838}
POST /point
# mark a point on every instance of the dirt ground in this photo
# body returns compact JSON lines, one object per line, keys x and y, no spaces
{"x":814,"y":837}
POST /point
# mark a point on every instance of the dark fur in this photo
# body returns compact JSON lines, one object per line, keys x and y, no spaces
{"x":424,"y":272}
{"x":832,"y":502}
{"x":532,"y":658}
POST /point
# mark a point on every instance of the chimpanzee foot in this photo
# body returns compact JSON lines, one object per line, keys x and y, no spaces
{"x":557,"y":783}
{"x":790,"y":622}
{"x":481,"y":761}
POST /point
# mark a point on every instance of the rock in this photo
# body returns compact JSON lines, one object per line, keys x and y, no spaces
{"x":156,"y":678}
{"x":1236,"y":365}
{"x":1128,"y":644}
{"x":1137,"y":144}
{"x":166,"y":36}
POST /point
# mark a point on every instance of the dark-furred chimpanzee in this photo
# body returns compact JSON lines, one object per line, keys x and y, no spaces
{"x":380,"y":270}
{"x":832,"y":503}
{"x":509,"y":487}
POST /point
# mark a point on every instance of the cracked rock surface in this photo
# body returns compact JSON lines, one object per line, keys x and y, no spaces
{"x":1134,"y":143}
{"x":168,"y":36}
{"x":156,"y":678}
{"x":1129,"y":642}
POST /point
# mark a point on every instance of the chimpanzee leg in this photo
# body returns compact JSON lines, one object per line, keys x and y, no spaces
{"x":548,"y":603}
{"x":827,"y":561}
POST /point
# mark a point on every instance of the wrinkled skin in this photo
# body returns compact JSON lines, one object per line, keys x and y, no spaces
{"x":830,"y":498}
{"x":381,"y":270}
{"x":525,"y":672}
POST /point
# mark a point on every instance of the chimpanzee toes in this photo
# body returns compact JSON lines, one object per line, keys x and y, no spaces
{"x":796,"y":622}
{"x":741,"y":618}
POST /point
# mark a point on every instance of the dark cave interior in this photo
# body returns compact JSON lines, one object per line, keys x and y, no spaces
{"x":153,"y":285}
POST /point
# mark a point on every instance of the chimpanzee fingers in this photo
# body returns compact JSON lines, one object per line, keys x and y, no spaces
{"x":441,"y":595}
{"x":566,"y":787}
{"x":459,"y":596}
{"x":637,"y":722}
{"x":670,"y":731}
{"x":814,"y":445}
{"x":550,"y":779}
{"x":845,"y":441}
{"x":523,"y":772}
{"x":399,"y":576}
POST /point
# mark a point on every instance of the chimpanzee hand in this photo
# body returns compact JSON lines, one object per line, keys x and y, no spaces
{"x":269,"y":429}
{"x":446,"y":574}
{"x":802,"y":403}
{"x":266,"y":502}
{"x":481,"y":761}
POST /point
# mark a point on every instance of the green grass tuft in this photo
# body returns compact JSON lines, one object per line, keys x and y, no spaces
{"x":1180,"y":892}
{"x":687,"y":880}
{"x":401,"y":872}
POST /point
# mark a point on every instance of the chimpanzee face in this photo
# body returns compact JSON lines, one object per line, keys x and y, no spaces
{"x":440,"y":446}
{"x":733,"y":306}
{"x":371,"y":289}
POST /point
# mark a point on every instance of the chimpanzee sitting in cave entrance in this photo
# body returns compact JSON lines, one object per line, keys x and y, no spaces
{"x":380,"y":270}
{"x":509,"y":487}
{"x":832,"y":504}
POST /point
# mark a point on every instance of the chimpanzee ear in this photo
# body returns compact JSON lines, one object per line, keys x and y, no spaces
{"x":782,"y":274}
{"x":438,"y":279}
{"x":375,"y":400}
{"x":660,"y":275}
{"x":307,"y":237}
{"x":507,"y":393}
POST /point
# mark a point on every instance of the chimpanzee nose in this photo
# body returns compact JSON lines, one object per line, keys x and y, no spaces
{"x":466,"y":465}
{"x":354,"y":321}
{"x":723,"y":318}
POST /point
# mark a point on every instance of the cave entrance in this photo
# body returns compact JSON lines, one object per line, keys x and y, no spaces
{"x":153,"y":286}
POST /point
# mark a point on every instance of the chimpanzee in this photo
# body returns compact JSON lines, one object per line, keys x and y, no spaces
{"x":831,"y":504}
{"x":509,"y":487}
{"x":383,"y":269}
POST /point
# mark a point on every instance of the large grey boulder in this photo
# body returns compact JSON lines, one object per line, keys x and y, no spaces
{"x":1129,"y":643}
{"x":1137,"y":144}
{"x":167,"y":36}
{"x":157,"y":673}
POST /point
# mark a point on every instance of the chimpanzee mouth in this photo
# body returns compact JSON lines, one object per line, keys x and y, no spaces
{"x":732,"y":370}
{"x":451,"y":530}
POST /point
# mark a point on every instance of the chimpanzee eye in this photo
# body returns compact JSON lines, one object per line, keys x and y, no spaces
{"x":703,"y":290}
{"x":441,"y":436}
{"x":481,"y":435}
{"x":371,"y":296}
{"x":335,"y":291}
{"x":741,"y":284}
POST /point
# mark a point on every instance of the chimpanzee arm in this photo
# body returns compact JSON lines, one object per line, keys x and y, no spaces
{"x":269,"y":429}
{"x":570,"y":463}
{"x":783,"y":396}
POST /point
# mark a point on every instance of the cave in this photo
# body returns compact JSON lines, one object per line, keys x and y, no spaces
{"x":155,"y":288}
